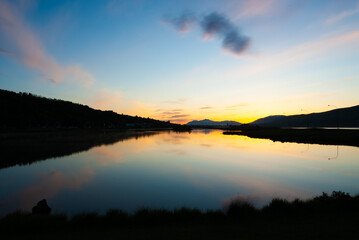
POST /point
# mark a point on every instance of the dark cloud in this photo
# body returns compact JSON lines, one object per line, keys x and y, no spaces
{"x":235,"y":43}
{"x":4,"y":51}
{"x":182,"y":23}
{"x":214,"y":25}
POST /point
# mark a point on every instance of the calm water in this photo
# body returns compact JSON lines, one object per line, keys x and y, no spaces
{"x":203,"y":169}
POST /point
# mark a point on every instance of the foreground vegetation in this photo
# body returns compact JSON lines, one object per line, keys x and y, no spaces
{"x":332,"y":216}
{"x":312,"y":135}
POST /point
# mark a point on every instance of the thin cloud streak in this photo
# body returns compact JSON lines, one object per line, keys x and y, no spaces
{"x":107,"y":100}
{"x":171,"y":112}
{"x":342,"y":15}
{"x":180,"y":116}
{"x":32,"y":53}
{"x":207,"y":107}
{"x":296,"y":55}
{"x":236,"y":106}
{"x":256,"y":8}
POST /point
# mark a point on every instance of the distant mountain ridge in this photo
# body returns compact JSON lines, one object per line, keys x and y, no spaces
{"x":341,"y":117}
{"x":207,"y":122}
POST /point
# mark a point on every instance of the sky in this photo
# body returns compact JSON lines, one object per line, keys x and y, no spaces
{"x":184,"y":60}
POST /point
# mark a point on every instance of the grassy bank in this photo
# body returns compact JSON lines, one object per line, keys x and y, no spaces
{"x":325,"y":217}
{"x":313,"y":136}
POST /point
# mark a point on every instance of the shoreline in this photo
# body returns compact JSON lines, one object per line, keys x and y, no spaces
{"x":41,"y":144}
{"x":312,"y":136}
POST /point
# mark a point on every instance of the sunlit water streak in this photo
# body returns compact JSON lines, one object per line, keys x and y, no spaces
{"x":203,"y":169}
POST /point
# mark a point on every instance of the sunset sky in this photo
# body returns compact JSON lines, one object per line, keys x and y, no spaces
{"x":184,"y":60}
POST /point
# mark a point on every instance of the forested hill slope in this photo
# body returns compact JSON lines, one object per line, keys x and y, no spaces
{"x":25,"y":110}
{"x":341,"y":117}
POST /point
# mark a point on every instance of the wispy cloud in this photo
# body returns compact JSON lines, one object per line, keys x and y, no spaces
{"x":298,"y":54}
{"x":261,"y":9}
{"x":174,"y":115}
{"x":106,"y":99}
{"x":207,"y":107}
{"x":235,"y":106}
{"x":342,"y":15}
{"x":30,"y":50}
{"x":182,"y":23}
{"x":180,"y":116}
{"x":214,"y":25}
{"x":255,"y":8}
{"x":171,"y":112}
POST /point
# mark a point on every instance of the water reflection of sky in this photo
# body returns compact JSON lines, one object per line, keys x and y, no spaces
{"x":171,"y":170}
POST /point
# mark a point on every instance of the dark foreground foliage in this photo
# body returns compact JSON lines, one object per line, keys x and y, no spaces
{"x":332,"y":216}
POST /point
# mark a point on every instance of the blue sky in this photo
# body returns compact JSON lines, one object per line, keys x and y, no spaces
{"x":169,"y":59}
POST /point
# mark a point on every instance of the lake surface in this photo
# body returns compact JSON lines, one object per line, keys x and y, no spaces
{"x":203,"y":169}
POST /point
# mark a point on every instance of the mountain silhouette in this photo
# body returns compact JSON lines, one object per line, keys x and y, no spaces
{"x":342,"y":117}
{"x":207,"y":122}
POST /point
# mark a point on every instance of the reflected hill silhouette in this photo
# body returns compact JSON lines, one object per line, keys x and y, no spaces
{"x":28,"y":147}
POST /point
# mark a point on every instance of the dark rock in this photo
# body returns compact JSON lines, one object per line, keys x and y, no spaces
{"x":41,"y":208}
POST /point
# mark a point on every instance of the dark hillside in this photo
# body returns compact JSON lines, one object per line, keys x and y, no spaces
{"x":25,"y":110}
{"x":341,"y":117}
